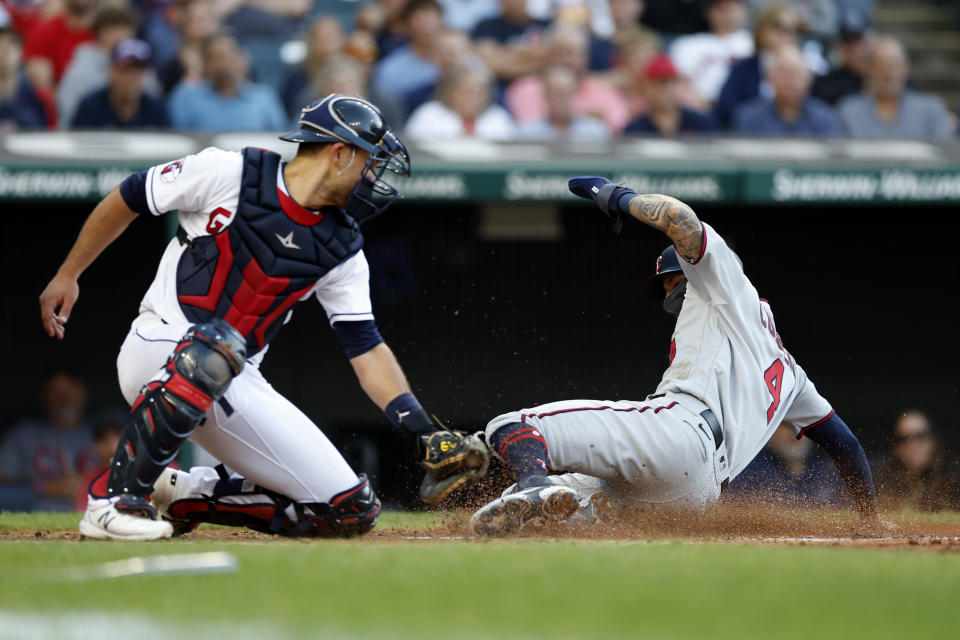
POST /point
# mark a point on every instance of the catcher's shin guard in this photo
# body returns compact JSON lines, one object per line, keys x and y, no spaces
{"x":167,"y":411}
{"x":239,"y":503}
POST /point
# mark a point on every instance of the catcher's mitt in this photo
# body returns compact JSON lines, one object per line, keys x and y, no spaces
{"x":452,"y":459}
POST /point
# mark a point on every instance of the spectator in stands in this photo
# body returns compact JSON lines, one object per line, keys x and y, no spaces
{"x":854,"y":52}
{"x":628,"y":76}
{"x":464,"y":15}
{"x":887,"y":108}
{"x":195,"y":21}
{"x":463,"y":110}
{"x":561,"y":123}
{"x":105,"y":439}
{"x":666,"y":116}
{"x":625,"y":15}
{"x":225,"y":100}
{"x":918,"y":473}
{"x":90,"y":65}
{"x":820,"y":16}
{"x":51,"y":454}
{"x":452,"y":49}
{"x":361,"y":47}
{"x":512,"y":43}
{"x":675,"y":17}
{"x":325,"y":41}
{"x":49,"y":45}
{"x":791,"y":111}
{"x":341,"y":75}
{"x":123,"y":104}
{"x":393,"y":26}
{"x":789,"y":472}
{"x":20,"y":108}
{"x":412,"y":66}
{"x":264,"y":19}
{"x":568,"y":47}
{"x":706,"y":58}
{"x":775,"y":27}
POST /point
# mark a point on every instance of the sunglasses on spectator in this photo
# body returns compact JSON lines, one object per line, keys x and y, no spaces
{"x":911,"y":437}
{"x":786,"y":27}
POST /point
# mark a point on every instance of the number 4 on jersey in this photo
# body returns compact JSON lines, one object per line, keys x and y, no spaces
{"x":773,"y":376}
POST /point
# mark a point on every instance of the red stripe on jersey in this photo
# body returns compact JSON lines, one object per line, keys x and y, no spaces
{"x":297,"y":212}
{"x":523,"y":417}
{"x":818,"y":422}
{"x":208,"y":301}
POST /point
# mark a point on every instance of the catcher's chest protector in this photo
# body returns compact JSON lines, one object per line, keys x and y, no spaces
{"x":254,"y":270}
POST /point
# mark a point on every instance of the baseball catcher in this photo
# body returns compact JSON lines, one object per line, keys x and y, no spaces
{"x":256,"y":236}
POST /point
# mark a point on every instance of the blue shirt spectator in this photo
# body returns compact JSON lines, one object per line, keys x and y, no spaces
{"x":791,"y":111}
{"x":403,"y":72}
{"x":225,"y":101}
{"x":254,"y":107}
{"x":691,"y":122}
{"x":775,"y":27}
{"x":887,"y":109}
{"x":760,"y":117}
{"x":20,"y":107}
{"x":96,"y":112}
{"x":122,"y":104}
{"x":412,"y":66}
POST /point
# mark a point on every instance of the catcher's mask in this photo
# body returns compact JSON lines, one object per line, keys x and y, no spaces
{"x":652,"y":287}
{"x":356,"y":122}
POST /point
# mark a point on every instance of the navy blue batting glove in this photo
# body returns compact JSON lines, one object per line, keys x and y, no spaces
{"x":612,"y":199}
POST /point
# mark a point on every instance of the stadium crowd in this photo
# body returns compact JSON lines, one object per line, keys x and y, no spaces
{"x":490,"y":69}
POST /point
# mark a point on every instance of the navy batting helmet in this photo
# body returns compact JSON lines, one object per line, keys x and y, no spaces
{"x":358,"y":123}
{"x":667,"y":262}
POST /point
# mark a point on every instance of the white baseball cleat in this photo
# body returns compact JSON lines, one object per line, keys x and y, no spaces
{"x":104,"y":521}
{"x":510,"y":513}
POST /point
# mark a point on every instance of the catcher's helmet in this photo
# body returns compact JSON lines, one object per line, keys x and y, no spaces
{"x":358,"y":123}
{"x":667,"y":262}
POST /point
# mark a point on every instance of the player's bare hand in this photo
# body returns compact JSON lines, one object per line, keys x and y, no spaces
{"x":56,"y":302}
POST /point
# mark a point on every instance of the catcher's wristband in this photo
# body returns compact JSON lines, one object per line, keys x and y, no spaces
{"x":405,"y":412}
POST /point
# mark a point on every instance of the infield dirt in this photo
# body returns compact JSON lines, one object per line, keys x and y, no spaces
{"x":735,"y":524}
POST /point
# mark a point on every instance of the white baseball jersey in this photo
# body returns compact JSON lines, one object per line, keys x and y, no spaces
{"x":706,"y":59}
{"x":726,"y":352}
{"x":204,"y":189}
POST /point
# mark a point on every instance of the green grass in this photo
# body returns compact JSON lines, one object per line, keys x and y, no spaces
{"x":509,"y":589}
{"x":17,"y":521}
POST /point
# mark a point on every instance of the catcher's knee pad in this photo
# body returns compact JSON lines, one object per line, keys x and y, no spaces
{"x":167,"y":410}
{"x":350,"y":512}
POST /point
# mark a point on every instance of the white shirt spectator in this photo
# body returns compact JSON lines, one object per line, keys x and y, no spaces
{"x":581,"y":128}
{"x":706,"y":59}
{"x":434,"y":120}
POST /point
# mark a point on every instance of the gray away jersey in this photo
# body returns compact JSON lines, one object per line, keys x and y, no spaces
{"x":726,"y":352}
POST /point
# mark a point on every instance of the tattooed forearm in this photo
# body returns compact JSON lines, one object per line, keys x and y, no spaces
{"x":674,"y":218}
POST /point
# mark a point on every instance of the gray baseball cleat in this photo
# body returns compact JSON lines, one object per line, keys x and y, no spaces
{"x":511,"y":512}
